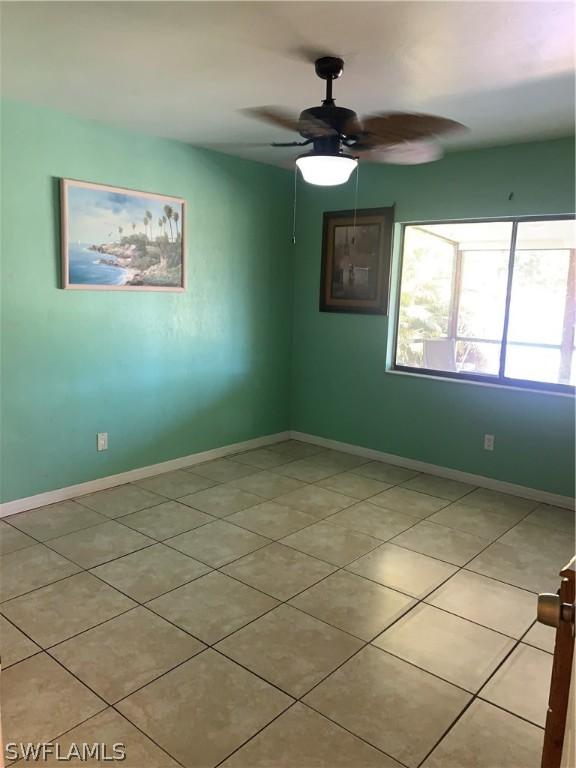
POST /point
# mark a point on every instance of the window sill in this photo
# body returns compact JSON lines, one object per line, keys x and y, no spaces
{"x":449,"y":380}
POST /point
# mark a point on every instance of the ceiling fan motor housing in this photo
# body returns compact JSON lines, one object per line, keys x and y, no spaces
{"x":329,"y":67}
{"x":333,"y":116}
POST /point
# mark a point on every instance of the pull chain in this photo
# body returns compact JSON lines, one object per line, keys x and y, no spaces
{"x":294,"y":205}
{"x":355,"y":207}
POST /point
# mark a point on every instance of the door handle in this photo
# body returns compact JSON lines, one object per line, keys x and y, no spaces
{"x":551,"y":611}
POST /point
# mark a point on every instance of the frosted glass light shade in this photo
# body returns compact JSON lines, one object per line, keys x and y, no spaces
{"x":326,"y":170}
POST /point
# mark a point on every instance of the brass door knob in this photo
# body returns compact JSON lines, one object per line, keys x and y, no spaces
{"x":551,"y":611}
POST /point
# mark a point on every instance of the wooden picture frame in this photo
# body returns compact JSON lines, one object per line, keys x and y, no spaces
{"x":356,"y":257}
{"x":118,"y":239}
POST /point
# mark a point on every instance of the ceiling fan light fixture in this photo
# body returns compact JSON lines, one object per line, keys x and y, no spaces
{"x":326,"y":170}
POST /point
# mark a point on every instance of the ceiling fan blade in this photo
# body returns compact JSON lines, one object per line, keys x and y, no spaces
{"x":390,"y":128}
{"x":277,"y":116}
{"x":310,"y":126}
{"x":410,"y":153}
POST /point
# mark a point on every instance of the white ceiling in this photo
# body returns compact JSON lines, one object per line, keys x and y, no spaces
{"x":184,"y":70}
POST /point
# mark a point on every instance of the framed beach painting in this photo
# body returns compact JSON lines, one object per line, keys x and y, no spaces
{"x":121,"y":239}
{"x":356,"y":255}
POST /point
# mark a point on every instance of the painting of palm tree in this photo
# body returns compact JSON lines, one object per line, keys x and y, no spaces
{"x":103,"y":247}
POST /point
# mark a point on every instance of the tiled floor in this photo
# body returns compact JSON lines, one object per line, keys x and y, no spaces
{"x":289,"y":607}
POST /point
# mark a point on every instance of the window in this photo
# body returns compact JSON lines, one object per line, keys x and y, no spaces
{"x":490,"y":301}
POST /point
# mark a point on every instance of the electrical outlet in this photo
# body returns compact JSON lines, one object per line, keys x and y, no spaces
{"x":488,"y":442}
{"x":102,"y":441}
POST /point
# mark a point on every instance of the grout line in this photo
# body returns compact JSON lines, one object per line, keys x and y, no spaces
{"x":254,"y":735}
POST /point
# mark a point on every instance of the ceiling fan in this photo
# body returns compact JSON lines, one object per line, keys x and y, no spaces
{"x":396,"y":137}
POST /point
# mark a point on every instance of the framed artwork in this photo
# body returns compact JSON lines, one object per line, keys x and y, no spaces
{"x":356,"y":254}
{"x":118,"y":239}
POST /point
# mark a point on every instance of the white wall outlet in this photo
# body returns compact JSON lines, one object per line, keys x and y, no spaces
{"x":488,"y":442}
{"x":102,"y":441}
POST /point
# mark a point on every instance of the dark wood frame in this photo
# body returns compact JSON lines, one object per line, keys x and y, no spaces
{"x":558,"y":701}
{"x":379,"y":305}
{"x":499,"y":379}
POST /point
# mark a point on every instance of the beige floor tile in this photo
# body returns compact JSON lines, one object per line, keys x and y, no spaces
{"x":268,"y":485}
{"x":316,"y":501}
{"x":262,"y":458}
{"x":439,"y":486}
{"x":389,"y":703}
{"x":56,"y":520}
{"x":14,"y":645}
{"x":294,"y":449}
{"x":217,"y":543}
{"x":30,"y":568}
{"x":339,"y":459}
{"x":456,"y":650}
{"x":222,"y":470}
{"x":53,"y":613}
{"x":524,"y":568}
{"x":541,"y":636}
{"x":279,"y":571}
{"x":448,"y":544}
{"x":491,"y":603}
{"x":204,"y":709}
{"x":150,"y":572}
{"x":221,"y":500}
{"x":166,"y":520}
{"x":96,"y":545}
{"x":374,"y":521}
{"x":290,"y":649}
{"x":332,"y":543}
{"x":557,"y":545}
{"x":271,"y":519}
{"x":11,"y":540}
{"x":353,"y":604}
{"x":522,"y":684}
{"x":123,"y":654}
{"x":307,"y":470}
{"x":213,"y":606}
{"x":110,"y":728}
{"x":386,"y":473}
{"x":558,"y":518}
{"x":402,"y":569}
{"x":122,"y":500}
{"x":484,"y":498}
{"x":487,"y":737}
{"x":40,"y":700}
{"x":480,"y":522}
{"x":351,"y":484}
{"x":301,"y":738}
{"x":176,"y":484}
{"x":401,"y":499}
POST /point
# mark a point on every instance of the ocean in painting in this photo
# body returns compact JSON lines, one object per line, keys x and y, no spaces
{"x":121,"y":238}
{"x":84,"y":268}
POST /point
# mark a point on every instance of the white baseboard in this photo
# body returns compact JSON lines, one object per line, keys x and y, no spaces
{"x":81,"y":489}
{"x":433,"y":469}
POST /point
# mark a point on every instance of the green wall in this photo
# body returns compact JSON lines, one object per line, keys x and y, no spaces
{"x":166,"y":374}
{"x":241,"y":354}
{"x":340,"y":386}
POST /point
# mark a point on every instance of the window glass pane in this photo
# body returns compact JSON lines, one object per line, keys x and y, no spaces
{"x":427,"y":267}
{"x":542,"y":303}
{"x":538,"y":294}
{"x":532,"y":363}
{"x":478,"y":357}
{"x":483,"y":294}
{"x":453,"y":285}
